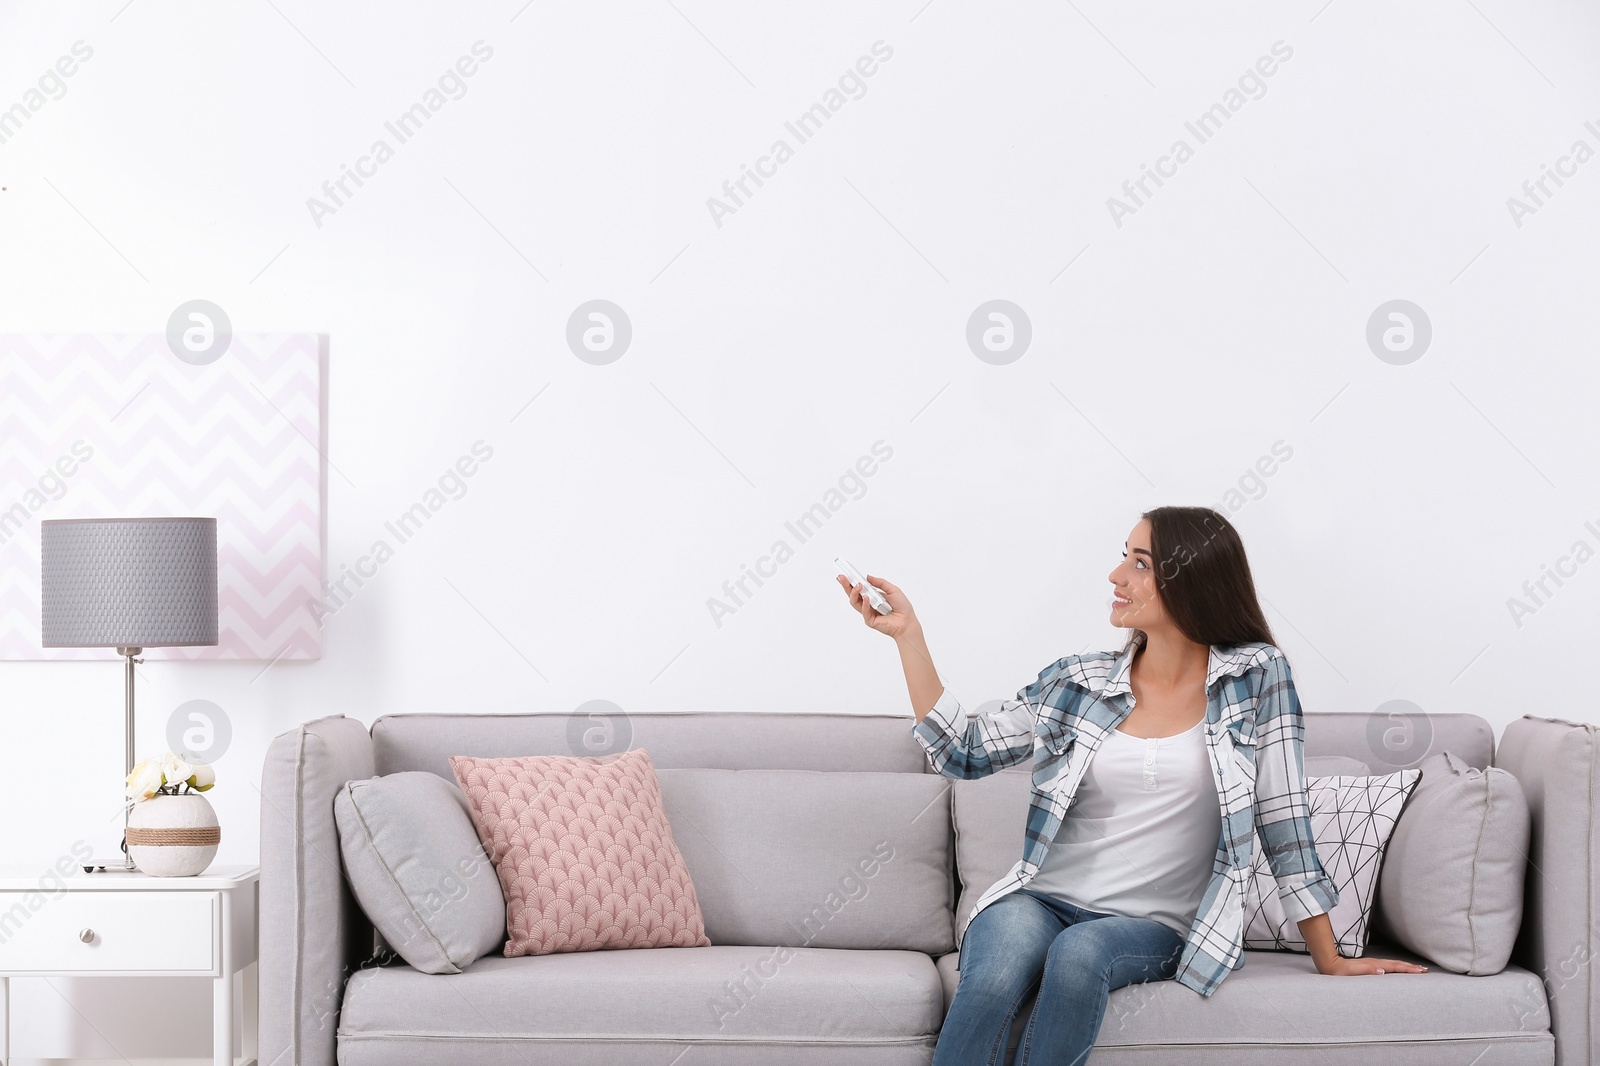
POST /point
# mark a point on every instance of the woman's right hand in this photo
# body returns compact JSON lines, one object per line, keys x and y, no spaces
{"x":922,"y":680}
{"x":900,"y":619}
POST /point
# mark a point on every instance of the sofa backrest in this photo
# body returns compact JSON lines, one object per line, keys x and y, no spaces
{"x":982,"y":820}
{"x":816,"y":830}
{"x":1390,"y":742}
{"x":746,"y":740}
{"x":727,"y":740}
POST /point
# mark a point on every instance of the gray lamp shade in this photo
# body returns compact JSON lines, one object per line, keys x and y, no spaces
{"x":128,"y":582}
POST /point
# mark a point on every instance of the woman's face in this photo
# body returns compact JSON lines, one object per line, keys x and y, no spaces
{"x":1136,"y":602}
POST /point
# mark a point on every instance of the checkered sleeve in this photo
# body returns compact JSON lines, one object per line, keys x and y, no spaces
{"x":1283,"y":814}
{"x":967,"y":746}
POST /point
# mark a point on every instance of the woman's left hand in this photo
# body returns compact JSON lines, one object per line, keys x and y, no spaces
{"x":1346,"y":967}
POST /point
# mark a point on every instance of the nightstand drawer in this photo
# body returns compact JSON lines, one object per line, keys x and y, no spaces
{"x":125,"y":931}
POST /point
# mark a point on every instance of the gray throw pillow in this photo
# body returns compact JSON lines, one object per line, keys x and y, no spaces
{"x":416,"y":866}
{"x":1451,"y":886}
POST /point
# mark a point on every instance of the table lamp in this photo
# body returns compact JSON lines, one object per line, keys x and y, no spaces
{"x":129,"y":584}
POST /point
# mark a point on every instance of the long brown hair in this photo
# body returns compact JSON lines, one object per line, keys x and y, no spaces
{"x":1204,"y":578}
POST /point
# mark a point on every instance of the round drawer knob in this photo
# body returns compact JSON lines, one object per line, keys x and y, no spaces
{"x":86,"y":935}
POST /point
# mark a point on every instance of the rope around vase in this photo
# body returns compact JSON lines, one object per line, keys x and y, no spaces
{"x":199,"y":836}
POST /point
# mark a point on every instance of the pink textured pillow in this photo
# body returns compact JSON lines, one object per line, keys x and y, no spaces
{"x":584,"y":852}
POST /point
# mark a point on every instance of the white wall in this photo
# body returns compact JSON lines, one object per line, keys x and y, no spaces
{"x":829,"y":312}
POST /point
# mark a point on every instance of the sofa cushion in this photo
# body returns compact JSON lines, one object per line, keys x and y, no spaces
{"x":584,"y":852}
{"x":827,"y":859}
{"x":416,"y":866}
{"x":989,"y":815}
{"x":1352,"y":819}
{"x":1451,"y":886}
{"x":617,"y":1008}
{"x":1277,"y":1008}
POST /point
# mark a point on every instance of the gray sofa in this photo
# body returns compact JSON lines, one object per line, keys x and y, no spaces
{"x":824,"y":855}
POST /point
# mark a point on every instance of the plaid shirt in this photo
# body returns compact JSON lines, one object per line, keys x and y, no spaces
{"x":1254,"y":734}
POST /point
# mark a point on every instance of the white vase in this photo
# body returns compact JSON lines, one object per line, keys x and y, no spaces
{"x":173,"y":836}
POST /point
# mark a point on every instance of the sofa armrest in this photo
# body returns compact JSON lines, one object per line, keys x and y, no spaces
{"x":313,"y":934}
{"x":1557,"y":762}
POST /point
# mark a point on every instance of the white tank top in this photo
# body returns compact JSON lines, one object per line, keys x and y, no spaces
{"x":1142,"y":832}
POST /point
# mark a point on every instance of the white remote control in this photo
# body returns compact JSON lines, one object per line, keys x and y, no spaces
{"x":873,"y":593}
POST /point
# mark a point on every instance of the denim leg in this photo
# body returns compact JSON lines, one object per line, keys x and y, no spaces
{"x":1085,"y":962}
{"x":1002,"y":955}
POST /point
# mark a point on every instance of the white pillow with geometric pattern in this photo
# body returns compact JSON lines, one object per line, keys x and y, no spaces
{"x":1351,"y":821}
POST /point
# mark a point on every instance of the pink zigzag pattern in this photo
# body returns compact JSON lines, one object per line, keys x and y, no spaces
{"x":238,"y":439}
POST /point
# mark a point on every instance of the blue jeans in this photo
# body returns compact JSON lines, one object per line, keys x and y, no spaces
{"x":1026,"y":941}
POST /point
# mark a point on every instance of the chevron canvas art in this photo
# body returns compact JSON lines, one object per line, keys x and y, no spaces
{"x":99,"y":426}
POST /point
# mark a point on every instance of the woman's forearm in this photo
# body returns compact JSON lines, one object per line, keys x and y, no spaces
{"x":1317,"y":931}
{"x":922,"y":680}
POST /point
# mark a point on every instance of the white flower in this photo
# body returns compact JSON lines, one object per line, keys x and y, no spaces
{"x":176,"y":769}
{"x":145,"y":780}
{"x":204,"y":776}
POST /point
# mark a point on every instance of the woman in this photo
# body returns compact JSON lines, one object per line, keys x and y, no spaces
{"x":1172,"y":754}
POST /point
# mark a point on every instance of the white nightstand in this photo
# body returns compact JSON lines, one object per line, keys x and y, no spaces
{"x":127,"y":924}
